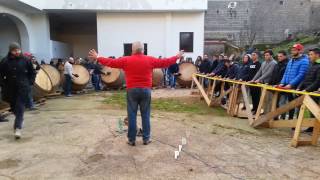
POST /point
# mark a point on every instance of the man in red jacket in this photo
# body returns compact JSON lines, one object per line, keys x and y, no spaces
{"x":138,"y":70}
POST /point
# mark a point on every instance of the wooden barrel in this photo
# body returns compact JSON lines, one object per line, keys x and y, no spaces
{"x":113,"y":78}
{"x":157,"y":77}
{"x":54,"y":76}
{"x":186,"y":70}
{"x":42,"y":85}
{"x":78,"y":84}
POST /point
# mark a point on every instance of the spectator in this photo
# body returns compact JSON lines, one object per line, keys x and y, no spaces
{"x":199,"y":61}
{"x":220,"y":69}
{"x":254,"y":91}
{"x":243,"y":73}
{"x":214,"y":62}
{"x":295,"y":72}
{"x":311,"y":81}
{"x":173,"y":71}
{"x":205,"y":65}
{"x":277,"y":75}
{"x":279,"y":69}
{"x":264,"y":75}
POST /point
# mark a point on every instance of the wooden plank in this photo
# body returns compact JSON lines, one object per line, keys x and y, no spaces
{"x":231,"y":99}
{"x":274,"y":103}
{"x":246,"y":102}
{"x":283,"y":109}
{"x":312,"y":106}
{"x":212,"y":90}
{"x":202,"y":91}
{"x":291,"y":123}
{"x":296,"y":135}
{"x":315,"y":133}
{"x":261,"y":103}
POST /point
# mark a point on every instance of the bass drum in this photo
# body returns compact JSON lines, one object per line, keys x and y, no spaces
{"x":113,"y":78}
{"x":42,"y":85}
{"x":157,"y":78}
{"x":54,"y":76}
{"x":186,"y":71}
{"x":78,"y":84}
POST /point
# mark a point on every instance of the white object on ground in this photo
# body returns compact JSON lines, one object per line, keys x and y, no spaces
{"x":184,"y":141}
{"x":180,"y":148}
{"x":176,"y":154}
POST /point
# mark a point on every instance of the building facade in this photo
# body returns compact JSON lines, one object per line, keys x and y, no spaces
{"x":62,"y":28}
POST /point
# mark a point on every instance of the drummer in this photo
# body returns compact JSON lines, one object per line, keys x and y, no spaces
{"x":17,"y":76}
{"x":138,"y":69}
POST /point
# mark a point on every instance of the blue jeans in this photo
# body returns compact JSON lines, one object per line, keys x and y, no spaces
{"x":139,"y":97}
{"x":30,"y":103}
{"x":67,"y":85}
{"x":173,"y":80}
{"x":96,"y":80}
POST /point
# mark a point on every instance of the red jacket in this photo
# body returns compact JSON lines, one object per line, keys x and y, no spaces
{"x":138,"y":68}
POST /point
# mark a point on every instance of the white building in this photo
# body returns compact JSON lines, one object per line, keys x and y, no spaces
{"x":61,"y":28}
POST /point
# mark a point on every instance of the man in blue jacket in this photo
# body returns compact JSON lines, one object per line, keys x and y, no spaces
{"x":295,"y":72}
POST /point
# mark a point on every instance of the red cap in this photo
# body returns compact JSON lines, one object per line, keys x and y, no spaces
{"x":298,"y":47}
{"x":27,"y":54}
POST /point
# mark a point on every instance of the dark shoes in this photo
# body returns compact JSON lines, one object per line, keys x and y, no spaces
{"x":147,"y":142}
{"x":131,"y":143}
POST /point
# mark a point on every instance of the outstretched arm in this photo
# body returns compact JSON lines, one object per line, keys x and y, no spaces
{"x":113,"y":63}
{"x":163,"y":63}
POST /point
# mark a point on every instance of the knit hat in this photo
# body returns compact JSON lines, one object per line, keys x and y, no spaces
{"x":14,"y":46}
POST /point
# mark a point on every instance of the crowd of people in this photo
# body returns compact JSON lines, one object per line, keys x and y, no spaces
{"x":296,"y":71}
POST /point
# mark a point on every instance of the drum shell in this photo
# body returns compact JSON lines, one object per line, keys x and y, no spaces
{"x":54,"y":76}
{"x":113,"y":78}
{"x":157,"y":77}
{"x":186,"y":70}
{"x":42,"y":85}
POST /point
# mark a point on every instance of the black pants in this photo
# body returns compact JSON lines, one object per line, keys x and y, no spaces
{"x":255,"y":95}
{"x":291,"y":97}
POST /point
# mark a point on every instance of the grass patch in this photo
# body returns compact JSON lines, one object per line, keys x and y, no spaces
{"x":179,"y":105}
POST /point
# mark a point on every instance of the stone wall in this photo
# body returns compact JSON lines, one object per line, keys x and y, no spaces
{"x":269,"y":20}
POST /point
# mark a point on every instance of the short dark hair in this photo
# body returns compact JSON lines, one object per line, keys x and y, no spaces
{"x":283,"y":52}
{"x":315,"y":50}
{"x":269,"y":51}
{"x":256,"y":52}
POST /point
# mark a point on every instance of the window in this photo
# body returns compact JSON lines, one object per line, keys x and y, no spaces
{"x":281,"y":2}
{"x":186,"y":41}
{"x":128,"y":49}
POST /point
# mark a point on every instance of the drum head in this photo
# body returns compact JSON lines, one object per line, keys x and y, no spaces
{"x":83,"y":73}
{"x":43,"y":81}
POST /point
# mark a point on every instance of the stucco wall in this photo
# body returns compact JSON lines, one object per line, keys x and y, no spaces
{"x":159,"y":30}
{"x":34,"y":31}
{"x":8,"y":33}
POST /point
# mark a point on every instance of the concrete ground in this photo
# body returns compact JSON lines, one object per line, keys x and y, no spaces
{"x":78,"y":138}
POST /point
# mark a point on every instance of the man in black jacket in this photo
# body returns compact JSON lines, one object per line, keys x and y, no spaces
{"x":277,"y":75}
{"x":205,"y":66}
{"x":17,"y":76}
{"x":311,"y":81}
{"x":255,"y":91}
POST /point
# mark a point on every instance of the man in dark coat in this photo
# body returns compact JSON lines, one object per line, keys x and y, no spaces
{"x":311,"y":81}
{"x":17,"y":76}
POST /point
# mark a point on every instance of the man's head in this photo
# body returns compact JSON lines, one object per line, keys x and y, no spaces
{"x":71,"y":60}
{"x":268,"y":55}
{"x":314,"y":54}
{"x":227,"y":62}
{"x":15,"y":49}
{"x":255,"y":56}
{"x":296,"y":50}
{"x":205,"y":56}
{"x":215,"y":57}
{"x":137,"y":48}
{"x":282,"y":55}
{"x":225,"y":57}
